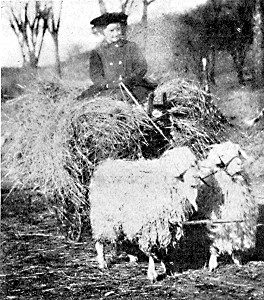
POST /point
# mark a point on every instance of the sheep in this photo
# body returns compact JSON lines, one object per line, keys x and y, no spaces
{"x":226,"y":196}
{"x":143,"y":199}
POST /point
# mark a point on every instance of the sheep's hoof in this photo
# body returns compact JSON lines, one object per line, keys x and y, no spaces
{"x":102,"y":265}
{"x":236,"y":259}
{"x":212,"y":263}
{"x":152,"y":276}
{"x":132,"y":258}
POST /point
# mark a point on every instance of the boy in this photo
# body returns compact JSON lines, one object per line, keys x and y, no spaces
{"x":117,"y":60}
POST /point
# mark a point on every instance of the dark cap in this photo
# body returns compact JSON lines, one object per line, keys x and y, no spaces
{"x":109,"y":18}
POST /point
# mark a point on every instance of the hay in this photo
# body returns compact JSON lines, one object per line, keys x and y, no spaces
{"x":55,"y":142}
{"x":104,"y":127}
{"x":195,"y":120}
{"x":36,"y":155}
{"x":143,"y":198}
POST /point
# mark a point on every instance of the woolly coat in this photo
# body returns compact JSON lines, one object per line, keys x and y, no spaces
{"x":122,"y":61}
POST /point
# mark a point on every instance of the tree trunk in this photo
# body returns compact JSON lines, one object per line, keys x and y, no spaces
{"x":102,"y":6}
{"x":211,"y":65}
{"x":257,"y":47}
{"x":238,"y":55}
{"x":57,"y":56}
{"x":33,"y":60}
{"x":144,"y":22}
{"x":23,"y":53}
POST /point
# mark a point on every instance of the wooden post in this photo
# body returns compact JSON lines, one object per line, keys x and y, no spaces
{"x":150,"y":104}
{"x":205,"y":75}
{"x":164,"y":99}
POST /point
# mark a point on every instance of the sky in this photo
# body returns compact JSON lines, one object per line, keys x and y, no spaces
{"x":75,"y":26}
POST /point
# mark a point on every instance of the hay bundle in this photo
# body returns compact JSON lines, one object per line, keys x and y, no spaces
{"x":195,"y":120}
{"x":143,"y":198}
{"x":52,"y":139}
{"x":56,"y":142}
{"x":104,"y":127}
{"x":37,"y":154}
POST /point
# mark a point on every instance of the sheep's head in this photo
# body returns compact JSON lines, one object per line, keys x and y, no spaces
{"x":181,"y":164}
{"x":228,"y":156}
{"x":178,"y":160}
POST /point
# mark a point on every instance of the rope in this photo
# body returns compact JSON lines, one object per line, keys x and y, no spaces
{"x":211,"y":222}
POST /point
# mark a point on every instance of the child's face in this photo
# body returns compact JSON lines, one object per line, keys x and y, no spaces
{"x":113,"y":32}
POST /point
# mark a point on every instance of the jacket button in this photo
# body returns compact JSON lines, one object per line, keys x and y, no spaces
{"x":120,"y":62}
{"x":110,"y":63}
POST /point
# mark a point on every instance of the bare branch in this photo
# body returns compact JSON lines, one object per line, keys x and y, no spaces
{"x":53,"y":24}
{"x":126,"y":5}
{"x":59,"y":17}
{"x":147,"y":2}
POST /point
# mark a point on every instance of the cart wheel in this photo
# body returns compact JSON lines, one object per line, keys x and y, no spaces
{"x":75,"y":228}
{"x":69,"y":224}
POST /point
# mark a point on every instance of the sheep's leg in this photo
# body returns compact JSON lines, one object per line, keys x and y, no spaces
{"x":213,"y":259}
{"x":152,"y":274}
{"x":163,"y":267}
{"x":100,"y":255}
{"x":167,"y":269}
{"x":119,"y":252}
{"x":132,"y":258}
{"x":236,"y":259}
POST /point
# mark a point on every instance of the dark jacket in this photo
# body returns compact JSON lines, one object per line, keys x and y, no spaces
{"x":118,"y":62}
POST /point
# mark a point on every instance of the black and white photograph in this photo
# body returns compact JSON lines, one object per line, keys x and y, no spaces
{"x":132,"y":149}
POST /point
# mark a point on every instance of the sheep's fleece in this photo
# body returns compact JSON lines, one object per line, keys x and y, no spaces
{"x":143,"y":197}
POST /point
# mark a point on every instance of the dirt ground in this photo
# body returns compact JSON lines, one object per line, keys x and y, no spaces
{"x":38,"y":263}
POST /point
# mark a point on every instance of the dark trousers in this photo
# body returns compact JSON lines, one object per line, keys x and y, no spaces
{"x":139,"y":91}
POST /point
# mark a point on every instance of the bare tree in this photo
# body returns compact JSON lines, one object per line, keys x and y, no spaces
{"x":29,"y":21}
{"x":53,"y":28}
{"x":102,"y":6}
{"x":262,"y":28}
{"x":125,"y":6}
{"x":144,"y":19}
{"x":257,"y":46}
